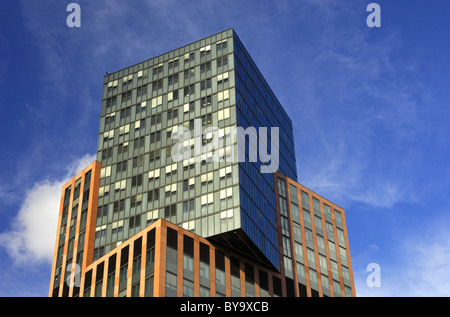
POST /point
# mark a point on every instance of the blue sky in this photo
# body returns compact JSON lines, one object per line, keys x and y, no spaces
{"x":370,"y":108}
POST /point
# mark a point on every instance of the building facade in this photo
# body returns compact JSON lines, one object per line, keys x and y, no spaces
{"x":165,"y":260}
{"x":184,"y":101}
{"x":74,"y":246}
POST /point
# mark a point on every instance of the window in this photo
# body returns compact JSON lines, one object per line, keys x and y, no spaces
{"x":106,"y":154}
{"x":188,"y":205}
{"x":135,"y":201}
{"x":225,"y":172}
{"x":222,"y":61}
{"x":327,"y":211}
{"x":100,"y":233}
{"x":191,"y":57}
{"x":157,"y":101}
{"x":173,"y":95}
{"x":297,"y":233}
{"x":154,"y":155}
{"x":206,"y":178}
{"x":117,"y":227}
{"x":323,"y":264}
{"x":119,"y":185}
{"x":221,"y":45}
{"x":153,"y":175}
{"x":138,"y":161}
{"x":330,"y":231}
{"x":307,"y":218}
{"x":206,"y":200}
{"x":126,"y":96}
{"x":205,"y":101}
{"x":325,"y":283}
{"x":142,"y":73}
{"x":122,"y":148}
{"x":158,"y":69}
{"x":318,"y":222}
{"x":205,"y":51}
{"x":313,"y":277}
{"x":188,"y":288}
{"x":105,"y":172}
{"x":309,"y":237}
{"x":337,"y":288}
{"x":155,"y":119}
{"x":341,"y":237}
{"x":321,"y":244}
{"x":153,"y":195}
{"x":205,"y":67}
{"x":171,"y":169}
{"x":286,"y":246}
{"x":138,"y":124}
{"x":136,"y":180}
{"x":311,"y":258}
{"x":284,"y":225}
{"x":119,"y":205}
{"x":134,"y":222}
{"x":102,"y":211}
{"x":109,"y":119}
{"x":226,"y":216}
{"x":172,"y":114}
{"x":205,"y":84}
{"x":226,"y":193}
{"x":124,"y":130}
{"x":305,"y":200}
{"x":223,"y":114}
{"x":235,"y":277}
{"x":189,"y":90}
{"x":173,"y":63}
{"x":189,"y":184}
{"x":121,"y":167}
{"x":155,"y":137}
{"x":223,"y":95}
{"x":222,"y":79}
{"x":170,"y":190}
{"x":141,"y":91}
{"x":338,"y":216}
{"x":170,"y":211}
{"x":206,"y":119}
{"x":112,"y":85}
{"x":172,"y":79}
{"x":334,"y":269}
{"x":156,"y":85}
{"x":103,"y":191}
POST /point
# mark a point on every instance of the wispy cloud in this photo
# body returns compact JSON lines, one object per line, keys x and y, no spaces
{"x":419,"y":265}
{"x":357,"y":108}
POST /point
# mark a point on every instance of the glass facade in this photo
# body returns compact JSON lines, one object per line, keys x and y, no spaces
{"x":143,"y":107}
{"x":257,"y":106}
{"x":322,"y":260}
{"x":213,"y":83}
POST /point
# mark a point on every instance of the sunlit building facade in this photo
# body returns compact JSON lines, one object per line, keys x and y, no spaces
{"x":216,"y":227}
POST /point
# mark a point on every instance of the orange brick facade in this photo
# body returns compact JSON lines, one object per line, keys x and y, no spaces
{"x":166,"y":260}
{"x":75,"y":220}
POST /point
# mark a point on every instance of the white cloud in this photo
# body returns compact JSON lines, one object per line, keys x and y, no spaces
{"x":31,"y":236}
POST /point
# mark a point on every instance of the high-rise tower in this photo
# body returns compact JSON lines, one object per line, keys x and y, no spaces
{"x":215,"y":81}
{"x":208,"y":101}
